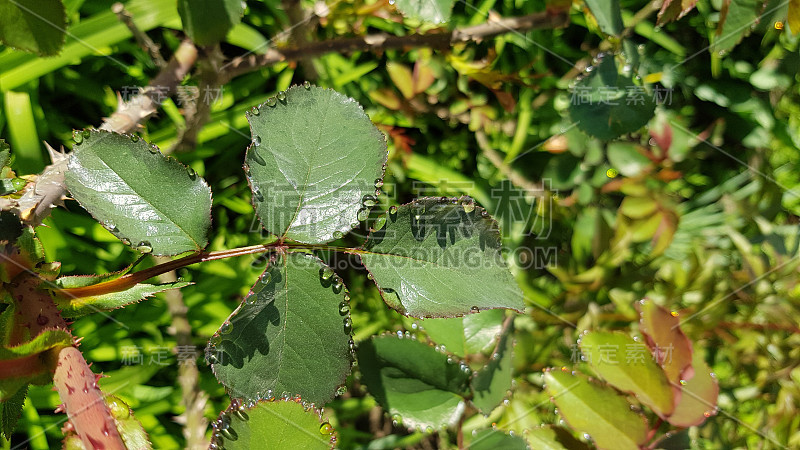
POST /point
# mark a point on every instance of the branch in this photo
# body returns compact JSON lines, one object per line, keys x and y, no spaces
{"x":140,"y":107}
{"x":143,"y":39}
{"x":382,"y":41}
{"x":74,"y":380}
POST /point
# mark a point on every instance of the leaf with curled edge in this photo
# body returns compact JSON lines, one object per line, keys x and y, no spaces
{"x":669,"y":345}
{"x":440,"y":258}
{"x":673,"y":10}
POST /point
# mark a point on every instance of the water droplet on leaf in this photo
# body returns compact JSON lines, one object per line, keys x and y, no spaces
{"x":307,"y":85}
{"x":348,"y":325}
{"x":144,"y":247}
{"x":326,"y":429}
{"x":272,"y":101}
{"x":363,"y":214}
{"x":282,"y":96}
{"x":338,"y":234}
{"x":393,"y":210}
{"x":77,"y":136}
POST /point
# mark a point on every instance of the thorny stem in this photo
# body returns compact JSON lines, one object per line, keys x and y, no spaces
{"x":75,"y":382}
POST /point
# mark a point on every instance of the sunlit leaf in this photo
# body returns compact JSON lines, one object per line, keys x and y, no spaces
{"x":166,"y":212}
{"x":313,"y":164}
{"x":290,"y":335}
{"x":433,"y":11}
{"x":628,"y":366}
{"x":664,"y":337}
{"x":698,"y":399}
{"x":596,"y":410}
{"x":414,"y":383}
{"x":272,"y":424}
{"x":439,"y":258}
{"x":473,"y":333}
{"x":495,"y":439}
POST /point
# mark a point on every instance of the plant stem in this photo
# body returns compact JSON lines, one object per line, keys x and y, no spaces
{"x":132,"y":279}
{"x":382,"y":41}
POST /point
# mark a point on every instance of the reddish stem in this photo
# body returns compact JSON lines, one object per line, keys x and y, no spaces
{"x":132,"y":279}
{"x":74,"y":380}
{"x":84,"y":402}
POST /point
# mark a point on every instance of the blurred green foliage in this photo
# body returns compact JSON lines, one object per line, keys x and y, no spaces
{"x":698,"y":210}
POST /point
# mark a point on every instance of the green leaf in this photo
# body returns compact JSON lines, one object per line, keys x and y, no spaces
{"x":26,"y":363}
{"x":491,"y":384}
{"x":596,"y":410}
{"x":495,"y":439}
{"x":313,"y":164}
{"x":402,"y":78}
{"x":10,"y":411}
{"x":35,"y":26}
{"x":607,"y":104}
{"x":550,"y":438}
{"x":674,"y":10}
{"x":437,"y":258}
{"x":145,"y":198}
{"x":628,"y":366}
{"x":433,"y":11}
{"x":208,"y":21}
{"x":698,"y":399}
{"x":735,"y":21}
{"x":462,"y":336}
{"x":77,"y":307}
{"x":272,"y":424}
{"x":129,"y":428}
{"x":608,"y":15}
{"x":413,"y":382}
{"x":290,"y":335}
{"x":662,"y":333}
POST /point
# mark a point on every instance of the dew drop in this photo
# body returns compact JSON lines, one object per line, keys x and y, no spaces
{"x":153,"y":149}
{"x":266,"y":278}
{"x":338,"y":234}
{"x":475,"y":309}
{"x":255,"y":111}
{"x":282,"y":96}
{"x":272,"y":101}
{"x":369,"y":203}
{"x":256,"y":140}
{"x":378,"y":183}
{"x":468,"y":206}
{"x":144,"y":247}
{"x":344,"y":308}
{"x":229,"y":433}
{"x":257,"y":193}
{"x":326,"y":273}
{"x":589,"y":69}
{"x":241,"y":414}
{"x":348,"y":325}
{"x":212,"y":358}
{"x":399,"y":334}
{"x":363,"y":214}
{"x":77,"y":136}
{"x":86,"y":134}
{"x":225,"y":328}
{"x":134,"y":138}
{"x":307,"y":85}
{"x":393,"y":210}
{"x":192,"y":173}
{"x":326,"y":429}
{"x":380,"y":222}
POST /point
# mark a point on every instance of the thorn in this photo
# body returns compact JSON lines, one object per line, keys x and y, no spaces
{"x":60,"y":409}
